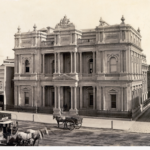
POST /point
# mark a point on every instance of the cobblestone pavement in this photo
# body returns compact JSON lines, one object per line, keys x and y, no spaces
{"x":87,"y":136}
{"x":142,"y":125}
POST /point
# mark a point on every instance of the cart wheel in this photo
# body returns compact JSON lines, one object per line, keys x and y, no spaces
{"x":78,"y":126}
{"x":70,"y":125}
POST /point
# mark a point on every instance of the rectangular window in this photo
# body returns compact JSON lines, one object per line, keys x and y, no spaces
{"x":113,"y":101}
{"x":91,"y":99}
{"x":26,"y":98}
{"x":27,"y":69}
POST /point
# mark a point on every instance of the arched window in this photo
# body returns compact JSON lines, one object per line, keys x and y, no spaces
{"x":27,"y":66}
{"x":113,"y":65}
{"x":90,"y":65}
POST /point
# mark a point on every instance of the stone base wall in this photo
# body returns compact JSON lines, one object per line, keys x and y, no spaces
{"x":101,"y":113}
{"x":45,"y":110}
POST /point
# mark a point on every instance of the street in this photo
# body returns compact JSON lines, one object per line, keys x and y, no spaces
{"x":87,"y":136}
{"x":94,"y":132}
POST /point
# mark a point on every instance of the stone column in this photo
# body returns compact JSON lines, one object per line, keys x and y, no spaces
{"x":19,"y":64}
{"x":121,"y":61}
{"x":43,"y":63}
{"x":99,"y":100}
{"x":58,"y":97}
{"x":55,"y":62}
{"x":71,"y":60}
{"x":75,"y":98}
{"x":32,"y":96}
{"x":19,"y":95}
{"x":94,"y":98}
{"x":33,"y":66}
{"x":58,"y":39}
{"x":94,"y":62}
{"x":125,"y":60}
{"x":77,"y":65}
{"x":103,"y":57}
{"x":70,"y":38}
{"x":122,"y":97}
{"x":16,"y":94}
{"x":75,"y":61}
{"x":81,"y":97}
{"x":55,"y":103}
{"x":59,"y":62}
{"x":98,"y":63}
{"x":80,"y":62}
{"x":15,"y":63}
{"x":55,"y":39}
{"x":71,"y":98}
{"x":104,"y":98}
{"x":19,"y":41}
{"x":43,"y":96}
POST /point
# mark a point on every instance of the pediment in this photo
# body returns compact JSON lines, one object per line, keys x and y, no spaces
{"x":112,"y":90}
{"x":64,"y":77}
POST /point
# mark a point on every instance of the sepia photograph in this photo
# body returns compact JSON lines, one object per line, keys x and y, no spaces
{"x":75,"y":73}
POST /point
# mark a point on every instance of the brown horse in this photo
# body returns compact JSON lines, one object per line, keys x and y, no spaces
{"x":60,"y":119}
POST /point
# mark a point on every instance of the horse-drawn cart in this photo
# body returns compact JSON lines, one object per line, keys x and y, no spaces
{"x":7,"y":128}
{"x":69,"y":122}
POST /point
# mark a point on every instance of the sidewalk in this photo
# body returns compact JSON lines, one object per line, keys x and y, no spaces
{"x":92,"y":122}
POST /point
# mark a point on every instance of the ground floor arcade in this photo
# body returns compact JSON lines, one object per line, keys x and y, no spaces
{"x":79,"y":98}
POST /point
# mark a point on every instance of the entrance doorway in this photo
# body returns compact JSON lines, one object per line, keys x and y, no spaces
{"x":2,"y":101}
{"x":66,"y":98}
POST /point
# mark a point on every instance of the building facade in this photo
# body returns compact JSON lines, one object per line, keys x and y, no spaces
{"x":87,"y":72}
{"x":7,"y":84}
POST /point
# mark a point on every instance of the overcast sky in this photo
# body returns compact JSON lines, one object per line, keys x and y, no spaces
{"x":83,"y":13}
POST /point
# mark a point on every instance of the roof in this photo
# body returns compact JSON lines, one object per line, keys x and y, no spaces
{"x":6,"y":122}
{"x":43,"y":30}
{"x":9,"y":61}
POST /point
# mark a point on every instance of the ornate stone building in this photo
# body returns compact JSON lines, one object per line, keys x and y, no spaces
{"x":89,"y":72}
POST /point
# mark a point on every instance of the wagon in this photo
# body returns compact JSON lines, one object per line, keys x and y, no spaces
{"x":7,"y":128}
{"x":69,"y":122}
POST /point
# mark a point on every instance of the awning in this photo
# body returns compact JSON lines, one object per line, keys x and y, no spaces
{"x":7,"y":122}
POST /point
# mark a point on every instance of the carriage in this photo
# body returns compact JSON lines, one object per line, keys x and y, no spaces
{"x":69,"y":122}
{"x":7,"y":128}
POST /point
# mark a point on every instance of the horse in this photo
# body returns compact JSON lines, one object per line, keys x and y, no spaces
{"x":37,"y":134}
{"x":41,"y":132}
{"x":20,"y":138}
{"x":60,"y":119}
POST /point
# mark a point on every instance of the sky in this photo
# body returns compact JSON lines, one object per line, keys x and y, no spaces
{"x":85,"y":14}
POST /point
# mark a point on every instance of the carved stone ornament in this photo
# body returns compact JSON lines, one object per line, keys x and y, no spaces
{"x":64,"y":23}
{"x":26,"y":58}
{"x":112,"y":90}
{"x":25,"y":88}
{"x":112,"y":55}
